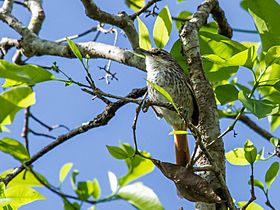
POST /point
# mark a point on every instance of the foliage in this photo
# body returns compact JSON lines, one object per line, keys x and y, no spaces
{"x":223,"y":60}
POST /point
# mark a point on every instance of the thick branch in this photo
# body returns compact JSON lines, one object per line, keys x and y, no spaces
{"x":208,"y":120}
{"x":100,"y":120}
{"x":122,"y":21}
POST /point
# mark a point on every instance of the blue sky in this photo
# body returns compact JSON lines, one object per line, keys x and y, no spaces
{"x":57,"y":104}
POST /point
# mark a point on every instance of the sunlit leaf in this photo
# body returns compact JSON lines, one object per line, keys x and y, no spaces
{"x":137,"y":166}
{"x":14,"y":100}
{"x":23,"y":75}
{"x":252,"y":206}
{"x":144,"y":38}
{"x":75,"y":49}
{"x":274,"y":141}
{"x":140,"y":196}
{"x":257,"y":183}
{"x":14,"y":148}
{"x":135,"y":5}
{"x":84,"y":190}
{"x":113,"y":181}
{"x":21,"y":195}
{"x":271,"y":174}
{"x":237,"y":157}
{"x":266,"y":15}
{"x":178,"y":132}
{"x":65,"y":169}
{"x":96,"y":189}
{"x":162,"y":27}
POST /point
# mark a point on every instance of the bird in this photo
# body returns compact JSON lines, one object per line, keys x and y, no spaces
{"x":190,"y":186}
{"x":164,"y":71}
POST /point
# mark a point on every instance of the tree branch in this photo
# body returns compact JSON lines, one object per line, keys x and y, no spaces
{"x":208,"y":127}
{"x":122,"y":20}
{"x":100,"y":120}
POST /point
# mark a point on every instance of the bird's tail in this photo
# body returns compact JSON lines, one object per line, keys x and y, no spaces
{"x":181,"y":149}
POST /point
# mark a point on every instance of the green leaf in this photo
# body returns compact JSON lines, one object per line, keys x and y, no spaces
{"x":272,"y":56}
{"x":13,"y":101}
{"x":274,"y":122}
{"x":137,"y":166}
{"x":178,"y":132}
{"x":14,"y":148}
{"x":226,"y":93}
{"x":274,"y":141}
{"x":165,"y":94}
{"x":24,"y":179}
{"x":266,"y":15}
{"x":237,"y":157}
{"x":260,"y":108}
{"x":182,"y":15}
{"x":140,"y":196}
{"x":162,"y":27}
{"x":117,"y":152}
{"x":70,"y":206}
{"x":213,"y":43}
{"x":257,"y":183}
{"x":250,"y":152}
{"x":246,"y":58}
{"x":271,"y":174}
{"x":84,"y":190}
{"x":23,"y":75}
{"x":277,"y":85}
{"x":135,"y":5}
{"x":113,"y":181}
{"x":144,"y":38}
{"x":20,"y":196}
{"x":75,"y":49}
{"x":64,"y":170}
{"x":176,"y":53}
{"x":96,"y":189}
{"x":252,"y":206}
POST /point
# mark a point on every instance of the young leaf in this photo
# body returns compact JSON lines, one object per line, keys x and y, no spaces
{"x":164,"y":93}
{"x":12,"y":101}
{"x":84,"y":190}
{"x":140,"y":196}
{"x":274,"y":141}
{"x":137,"y":167}
{"x":135,"y":5}
{"x":178,"y":132}
{"x":117,"y":152}
{"x":23,"y":75}
{"x":257,"y":183}
{"x":226,"y":93}
{"x":237,"y":157}
{"x":74,"y":49}
{"x":144,"y":38}
{"x":65,"y":169}
{"x":250,"y":152}
{"x":113,"y":181}
{"x":96,"y":189}
{"x":252,"y":206}
{"x":162,"y":27}
{"x":74,"y":175}
{"x":14,"y":148}
{"x":271,"y":174}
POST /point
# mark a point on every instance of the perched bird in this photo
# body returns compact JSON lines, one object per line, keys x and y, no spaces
{"x":164,"y":71}
{"x":190,"y":186}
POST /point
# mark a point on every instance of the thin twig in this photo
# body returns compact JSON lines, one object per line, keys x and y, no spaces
{"x":253,"y":196}
{"x":143,"y":9}
{"x":41,"y":134}
{"x":50,"y":128}
{"x":25,"y":129}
